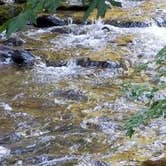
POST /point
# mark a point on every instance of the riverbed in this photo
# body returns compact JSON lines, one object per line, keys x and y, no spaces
{"x":75,"y":114}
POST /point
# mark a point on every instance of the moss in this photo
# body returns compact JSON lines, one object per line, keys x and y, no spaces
{"x":9,"y":11}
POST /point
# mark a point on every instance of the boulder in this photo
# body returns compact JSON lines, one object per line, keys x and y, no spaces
{"x":8,"y":11}
{"x":158,"y":162}
{"x":20,"y":1}
{"x":18,"y":57}
{"x":87,"y":63}
{"x":1,"y":2}
{"x":22,"y":58}
{"x":49,"y":21}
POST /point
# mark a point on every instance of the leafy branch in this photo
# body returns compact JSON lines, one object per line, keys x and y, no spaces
{"x":157,"y":109}
{"x":35,"y":7}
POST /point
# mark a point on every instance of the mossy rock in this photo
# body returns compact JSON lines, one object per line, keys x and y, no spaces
{"x":9,"y":11}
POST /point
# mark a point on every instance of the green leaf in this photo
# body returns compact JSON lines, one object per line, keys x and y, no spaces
{"x":161,"y":56}
{"x":92,"y":6}
{"x":156,"y":110}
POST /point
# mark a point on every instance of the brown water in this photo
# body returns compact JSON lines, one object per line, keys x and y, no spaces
{"x":72,"y":115}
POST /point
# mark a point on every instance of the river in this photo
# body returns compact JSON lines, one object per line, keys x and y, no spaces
{"x":75,"y":114}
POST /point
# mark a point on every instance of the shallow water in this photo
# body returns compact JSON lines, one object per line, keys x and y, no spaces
{"x":73,"y":115}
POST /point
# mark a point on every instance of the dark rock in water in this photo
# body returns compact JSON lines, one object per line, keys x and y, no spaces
{"x":1,"y":2}
{"x":99,"y":163}
{"x":87,"y":62}
{"x":14,"y":41}
{"x":18,"y":57}
{"x":159,"y":162}
{"x":48,"y":21}
{"x":23,"y":58}
{"x":8,"y":11}
{"x":161,"y":22}
{"x":105,"y":28}
{"x":70,"y":95}
{"x":55,"y":64}
{"x":61,"y":30}
{"x":20,"y":1}
{"x":127,"y":24}
{"x":5,"y":54}
{"x":73,"y":8}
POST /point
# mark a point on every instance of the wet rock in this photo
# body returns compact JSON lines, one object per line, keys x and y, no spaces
{"x":70,"y":95}
{"x":158,"y":162}
{"x":21,"y":150}
{"x":5,"y":54}
{"x":4,"y":153}
{"x":20,"y":1}
{"x":48,"y":21}
{"x":2,"y":3}
{"x":91,"y":162}
{"x":23,"y":58}
{"x":56,"y":63}
{"x":8,"y":11}
{"x":18,"y":57}
{"x":127,"y":24}
{"x":87,"y":62}
{"x":161,"y":22}
{"x":73,"y":8}
{"x":61,"y":30}
{"x":10,"y":138}
{"x":14,"y":41}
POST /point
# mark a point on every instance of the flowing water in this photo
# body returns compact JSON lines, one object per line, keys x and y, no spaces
{"x":73,"y":115}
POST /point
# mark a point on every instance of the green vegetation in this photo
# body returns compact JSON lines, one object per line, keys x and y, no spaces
{"x":35,"y":7}
{"x":161,"y":57}
{"x":156,"y":110}
{"x":137,"y":91}
{"x":134,"y":91}
{"x":146,"y":93}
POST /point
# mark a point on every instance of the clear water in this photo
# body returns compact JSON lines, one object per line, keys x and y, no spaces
{"x":73,"y":115}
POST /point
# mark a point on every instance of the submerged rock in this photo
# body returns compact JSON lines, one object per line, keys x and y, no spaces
{"x":87,"y":63}
{"x":20,"y":1}
{"x":23,"y":58}
{"x":155,"y":162}
{"x":70,"y":95}
{"x":128,"y":24}
{"x":8,"y":11}
{"x":18,"y":57}
{"x":15,"y":41}
{"x":48,"y":21}
{"x":1,"y":2}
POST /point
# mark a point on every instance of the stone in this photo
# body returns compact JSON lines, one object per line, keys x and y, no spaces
{"x":49,"y":21}
{"x":87,"y":62}
{"x":9,"y":11}
{"x":159,"y":162}
{"x":70,"y":94}
{"x":23,"y":58}
{"x":18,"y":57}
{"x":20,"y":1}
{"x":14,"y":41}
{"x":1,"y":2}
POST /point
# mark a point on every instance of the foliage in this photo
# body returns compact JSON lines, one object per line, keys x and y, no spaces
{"x":137,"y":92}
{"x":161,"y":57}
{"x":156,"y":110}
{"x":100,"y":5}
{"x":34,"y":7}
